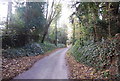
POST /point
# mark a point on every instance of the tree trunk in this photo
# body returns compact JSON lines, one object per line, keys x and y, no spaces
{"x":95,"y":30}
{"x":73,"y":33}
{"x":27,"y":31}
{"x":46,"y":31}
{"x":56,"y":33}
{"x":109,"y":29}
{"x":9,"y":14}
{"x":44,"y":35}
{"x":94,"y":34}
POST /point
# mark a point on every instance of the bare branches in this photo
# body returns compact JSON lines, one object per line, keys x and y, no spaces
{"x":47,"y":10}
{"x":51,"y":14}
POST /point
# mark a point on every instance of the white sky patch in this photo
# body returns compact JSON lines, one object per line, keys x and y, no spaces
{"x":3,"y":10}
{"x":65,"y":14}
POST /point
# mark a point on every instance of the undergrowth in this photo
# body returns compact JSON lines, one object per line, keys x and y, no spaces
{"x":31,"y":49}
{"x":98,"y":55}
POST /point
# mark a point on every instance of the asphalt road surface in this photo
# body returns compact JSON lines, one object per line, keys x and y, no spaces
{"x":50,"y":67}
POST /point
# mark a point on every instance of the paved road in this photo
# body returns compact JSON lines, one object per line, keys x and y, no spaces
{"x":50,"y":67}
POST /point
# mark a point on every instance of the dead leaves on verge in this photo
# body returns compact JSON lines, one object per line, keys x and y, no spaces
{"x":81,"y":71}
{"x":13,"y":67}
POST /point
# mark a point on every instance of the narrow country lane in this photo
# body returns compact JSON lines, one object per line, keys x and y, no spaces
{"x":50,"y":67}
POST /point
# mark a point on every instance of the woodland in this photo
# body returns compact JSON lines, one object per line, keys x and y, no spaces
{"x":33,"y":30}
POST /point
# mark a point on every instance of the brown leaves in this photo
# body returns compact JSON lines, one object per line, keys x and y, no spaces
{"x":80,"y":71}
{"x":13,"y":67}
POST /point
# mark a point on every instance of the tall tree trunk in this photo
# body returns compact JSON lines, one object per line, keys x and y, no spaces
{"x":109,"y":28}
{"x":94,"y":33}
{"x":95,"y":30}
{"x":49,"y":18}
{"x":43,"y":38}
{"x":9,"y":15}
{"x":73,"y":33}
{"x":27,"y":22}
{"x":46,"y":31}
{"x":56,"y":33}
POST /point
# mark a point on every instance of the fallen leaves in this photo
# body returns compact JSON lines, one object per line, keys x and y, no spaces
{"x":13,"y":67}
{"x":80,"y":71}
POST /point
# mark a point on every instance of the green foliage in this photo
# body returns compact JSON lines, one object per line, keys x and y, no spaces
{"x":61,"y":45}
{"x":26,"y":25}
{"x":34,"y":17}
{"x":61,"y":34}
{"x":97,"y":55}
{"x":92,"y":46}
{"x":17,"y":24}
{"x":31,"y":49}
{"x":97,"y":20}
{"x":47,"y":46}
{"x":106,"y":74}
{"x":27,"y":50}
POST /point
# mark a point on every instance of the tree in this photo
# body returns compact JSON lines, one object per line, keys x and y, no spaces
{"x":58,"y":8}
{"x":62,"y":35}
{"x":74,"y":27}
{"x":27,"y":24}
{"x":34,"y":18}
{"x":99,"y":19}
{"x":9,"y":15}
{"x":53,"y":13}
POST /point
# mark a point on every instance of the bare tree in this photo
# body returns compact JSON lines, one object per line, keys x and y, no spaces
{"x":53,"y":13}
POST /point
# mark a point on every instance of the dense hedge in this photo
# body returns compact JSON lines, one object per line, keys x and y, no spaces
{"x":98,"y":55}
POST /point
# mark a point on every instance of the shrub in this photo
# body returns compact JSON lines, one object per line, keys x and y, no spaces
{"x":47,"y":46}
{"x":60,"y":45}
{"x":28,"y":50}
